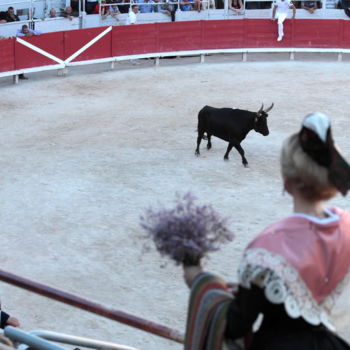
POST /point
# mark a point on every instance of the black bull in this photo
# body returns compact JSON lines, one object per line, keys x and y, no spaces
{"x":231,"y":125}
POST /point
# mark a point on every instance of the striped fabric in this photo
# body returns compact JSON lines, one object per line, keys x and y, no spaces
{"x":206,"y":318}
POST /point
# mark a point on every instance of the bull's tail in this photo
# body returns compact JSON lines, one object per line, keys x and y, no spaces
{"x":202,"y":122}
{"x":204,"y":137}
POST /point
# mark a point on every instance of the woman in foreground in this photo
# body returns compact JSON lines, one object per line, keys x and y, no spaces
{"x":293,"y":272}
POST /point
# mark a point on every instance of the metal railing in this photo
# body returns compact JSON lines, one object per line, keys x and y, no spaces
{"x":91,"y":306}
{"x":43,"y":340}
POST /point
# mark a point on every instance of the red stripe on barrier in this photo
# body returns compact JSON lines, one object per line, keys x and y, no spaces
{"x":134,"y":39}
{"x":345,"y":34}
{"x":309,"y":33}
{"x":223,"y":34}
{"x":7,"y":55}
{"x":180,"y":36}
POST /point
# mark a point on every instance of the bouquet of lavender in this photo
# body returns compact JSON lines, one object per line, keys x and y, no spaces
{"x":186,"y":233}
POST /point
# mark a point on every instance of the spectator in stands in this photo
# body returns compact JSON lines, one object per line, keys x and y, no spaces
{"x":236,"y":6}
{"x":132,"y":18}
{"x":345,"y":4}
{"x":157,"y":7}
{"x":186,"y":5}
{"x":146,"y":6}
{"x":67,"y":13}
{"x":25,"y":31}
{"x":169,"y":7}
{"x":309,"y":6}
{"x":90,"y":6}
{"x":11,"y":16}
{"x":280,"y":9}
{"x":197,"y":5}
{"x":113,"y":11}
{"x":52,"y":13}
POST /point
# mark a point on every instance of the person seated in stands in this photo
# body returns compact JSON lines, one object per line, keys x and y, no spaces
{"x":186,"y":5}
{"x":68,"y":13}
{"x":157,"y":7}
{"x":345,"y":4}
{"x":26,"y":31}
{"x":132,"y":18}
{"x":146,"y":6}
{"x":236,"y":6}
{"x":113,"y":11}
{"x":168,"y":7}
{"x":52,"y":13}
{"x":197,"y":5}
{"x":11,"y":16}
{"x":309,"y":6}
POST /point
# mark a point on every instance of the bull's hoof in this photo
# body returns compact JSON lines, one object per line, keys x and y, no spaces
{"x":196,"y":153}
{"x":208,"y":147}
{"x":225,"y":158}
{"x":245,"y":165}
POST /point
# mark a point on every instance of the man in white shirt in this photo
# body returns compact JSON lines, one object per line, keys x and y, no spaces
{"x":132,"y":18}
{"x":280,"y":10}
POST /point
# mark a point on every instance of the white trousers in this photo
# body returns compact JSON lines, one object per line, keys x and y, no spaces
{"x":280,"y":19}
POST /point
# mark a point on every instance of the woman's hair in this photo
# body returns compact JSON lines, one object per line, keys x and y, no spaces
{"x":311,"y":179}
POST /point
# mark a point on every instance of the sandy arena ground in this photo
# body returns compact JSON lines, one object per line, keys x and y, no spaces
{"x":84,"y":155}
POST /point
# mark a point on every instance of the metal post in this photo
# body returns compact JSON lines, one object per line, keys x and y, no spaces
{"x":202,"y":60}
{"x":156,"y":62}
{"x":291,"y":56}
{"x":340,"y":56}
{"x":15,"y":79}
{"x":244,"y":56}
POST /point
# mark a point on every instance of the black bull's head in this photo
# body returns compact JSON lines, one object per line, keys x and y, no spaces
{"x":260,"y":121}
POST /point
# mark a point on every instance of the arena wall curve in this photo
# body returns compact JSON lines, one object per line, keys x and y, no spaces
{"x":59,"y":50}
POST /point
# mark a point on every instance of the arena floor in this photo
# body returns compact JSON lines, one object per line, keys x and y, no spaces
{"x":84,"y":155}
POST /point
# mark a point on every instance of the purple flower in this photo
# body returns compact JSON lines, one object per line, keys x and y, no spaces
{"x":186,"y":233}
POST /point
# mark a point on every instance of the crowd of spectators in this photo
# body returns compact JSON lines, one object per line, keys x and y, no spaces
{"x":114,"y":8}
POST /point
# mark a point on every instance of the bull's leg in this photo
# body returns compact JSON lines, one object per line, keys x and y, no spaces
{"x":209,"y":141}
{"x":199,"y":139}
{"x":241,"y":152}
{"x":229,"y":147}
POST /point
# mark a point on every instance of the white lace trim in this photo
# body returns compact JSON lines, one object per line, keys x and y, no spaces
{"x":282,"y":284}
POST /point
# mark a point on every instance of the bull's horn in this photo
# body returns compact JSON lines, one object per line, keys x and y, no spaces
{"x":261,"y":109}
{"x":269,"y":109}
